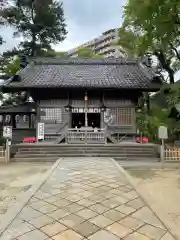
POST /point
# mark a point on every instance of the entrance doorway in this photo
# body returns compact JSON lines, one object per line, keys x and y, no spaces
{"x":94,"y":120}
{"x":78,"y":120}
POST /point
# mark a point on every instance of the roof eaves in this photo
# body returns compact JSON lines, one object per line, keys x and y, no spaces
{"x":10,"y":80}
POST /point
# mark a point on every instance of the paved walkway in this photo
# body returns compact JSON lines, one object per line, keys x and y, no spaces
{"x":86,"y":198}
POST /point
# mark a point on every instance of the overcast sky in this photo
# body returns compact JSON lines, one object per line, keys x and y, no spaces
{"x":85,"y":20}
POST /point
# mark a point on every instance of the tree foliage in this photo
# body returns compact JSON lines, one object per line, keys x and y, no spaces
{"x":12,"y":67}
{"x":40,"y":23}
{"x":153,"y":26}
{"x":88,"y":53}
{"x":9,"y":66}
{"x":3,"y":3}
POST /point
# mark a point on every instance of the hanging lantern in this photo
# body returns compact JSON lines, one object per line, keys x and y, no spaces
{"x":25,"y":118}
{"x":103,"y":108}
{"x":7,"y":118}
{"x":17,"y":118}
{"x":86,"y":99}
{"x":68,"y":107}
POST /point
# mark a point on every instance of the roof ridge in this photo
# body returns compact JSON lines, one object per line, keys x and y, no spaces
{"x":84,"y":61}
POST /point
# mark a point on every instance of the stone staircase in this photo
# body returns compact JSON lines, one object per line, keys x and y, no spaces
{"x":50,"y":152}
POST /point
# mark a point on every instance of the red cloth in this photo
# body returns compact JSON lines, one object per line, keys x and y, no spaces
{"x":143,"y":140}
{"x":29,"y":140}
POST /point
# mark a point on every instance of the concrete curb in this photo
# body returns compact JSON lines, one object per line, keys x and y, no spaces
{"x":23,"y":199}
{"x":161,"y":216}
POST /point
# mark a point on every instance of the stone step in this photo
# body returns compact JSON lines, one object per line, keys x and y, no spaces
{"x":53,"y":159}
{"x":31,"y":145}
{"x":36,"y":152}
{"x":134,"y":159}
{"x":35,"y":159}
{"x":120,"y":151}
{"x":86,"y":148}
{"x":85,"y":154}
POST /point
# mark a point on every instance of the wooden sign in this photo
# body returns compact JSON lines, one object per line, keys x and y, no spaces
{"x":40,"y":131}
{"x":7,"y":132}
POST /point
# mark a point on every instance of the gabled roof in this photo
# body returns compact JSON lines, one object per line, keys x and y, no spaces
{"x":85,"y":73}
{"x":21,"y":108}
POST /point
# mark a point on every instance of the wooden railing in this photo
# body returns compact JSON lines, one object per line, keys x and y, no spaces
{"x":62,"y":127}
{"x":2,"y":152}
{"x":86,"y":135}
{"x":63,"y":134}
{"x":58,"y":136}
{"x":172,"y":154}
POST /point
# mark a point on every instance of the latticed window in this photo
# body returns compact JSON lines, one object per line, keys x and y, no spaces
{"x":124,"y":116}
{"x":119,"y":116}
{"x":51,"y":114}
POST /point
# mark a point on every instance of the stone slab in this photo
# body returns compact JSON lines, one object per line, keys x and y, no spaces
{"x":23,"y":199}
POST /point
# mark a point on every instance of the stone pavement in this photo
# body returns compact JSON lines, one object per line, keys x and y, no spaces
{"x":86,"y":198}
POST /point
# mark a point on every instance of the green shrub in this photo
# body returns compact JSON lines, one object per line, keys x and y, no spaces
{"x":2,"y":141}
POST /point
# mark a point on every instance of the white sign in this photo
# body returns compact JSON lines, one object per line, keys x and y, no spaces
{"x":40,"y":131}
{"x":7,"y":131}
{"x":89,"y":110}
{"x":162,"y":132}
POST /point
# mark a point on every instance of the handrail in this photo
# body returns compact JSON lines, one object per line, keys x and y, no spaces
{"x":123,"y":137}
{"x":63,"y":134}
{"x":64,"y":124}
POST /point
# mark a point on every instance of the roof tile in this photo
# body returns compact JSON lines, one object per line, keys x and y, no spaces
{"x":82,"y":72}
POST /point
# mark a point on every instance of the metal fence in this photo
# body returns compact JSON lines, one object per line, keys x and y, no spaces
{"x":172,"y":154}
{"x":83,"y":136}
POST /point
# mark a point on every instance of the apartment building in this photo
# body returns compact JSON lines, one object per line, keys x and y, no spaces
{"x":104,"y":44}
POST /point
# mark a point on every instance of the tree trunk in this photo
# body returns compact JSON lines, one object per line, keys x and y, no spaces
{"x":171,"y":75}
{"x":165,"y":63}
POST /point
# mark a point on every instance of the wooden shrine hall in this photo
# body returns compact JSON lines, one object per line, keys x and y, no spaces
{"x":79,"y":100}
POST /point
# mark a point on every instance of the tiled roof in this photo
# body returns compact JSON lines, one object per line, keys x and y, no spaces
{"x":21,"y":108}
{"x":85,"y":73}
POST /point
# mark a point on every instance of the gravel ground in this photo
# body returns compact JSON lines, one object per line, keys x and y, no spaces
{"x":162,"y":189}
{"x":16,"y":178}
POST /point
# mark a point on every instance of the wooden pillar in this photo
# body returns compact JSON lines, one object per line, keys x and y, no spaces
{"x":38,"y":112}
{"x":38,"y":117}
{"x":30,"y":125}
{"x":13,"y":120}
{"x":148,"y":103}
{"x":70,"y":112}
{"x":102,"y":113}
{"x":86,"y":108}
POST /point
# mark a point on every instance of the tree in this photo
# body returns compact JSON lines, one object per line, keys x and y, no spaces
{"x":40,"y":23}
{"x":8,"y":68}
{"x":153,"y":26}
{"x":53,"y":53}
{"x":12,"y":67}
{"x":88,"y":53}
{"x":2,"y":5}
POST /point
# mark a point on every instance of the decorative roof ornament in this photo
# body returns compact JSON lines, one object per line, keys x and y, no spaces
{"x":29,"y":99}
{"x":147,"y":60}
{"x":23,"y":61}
